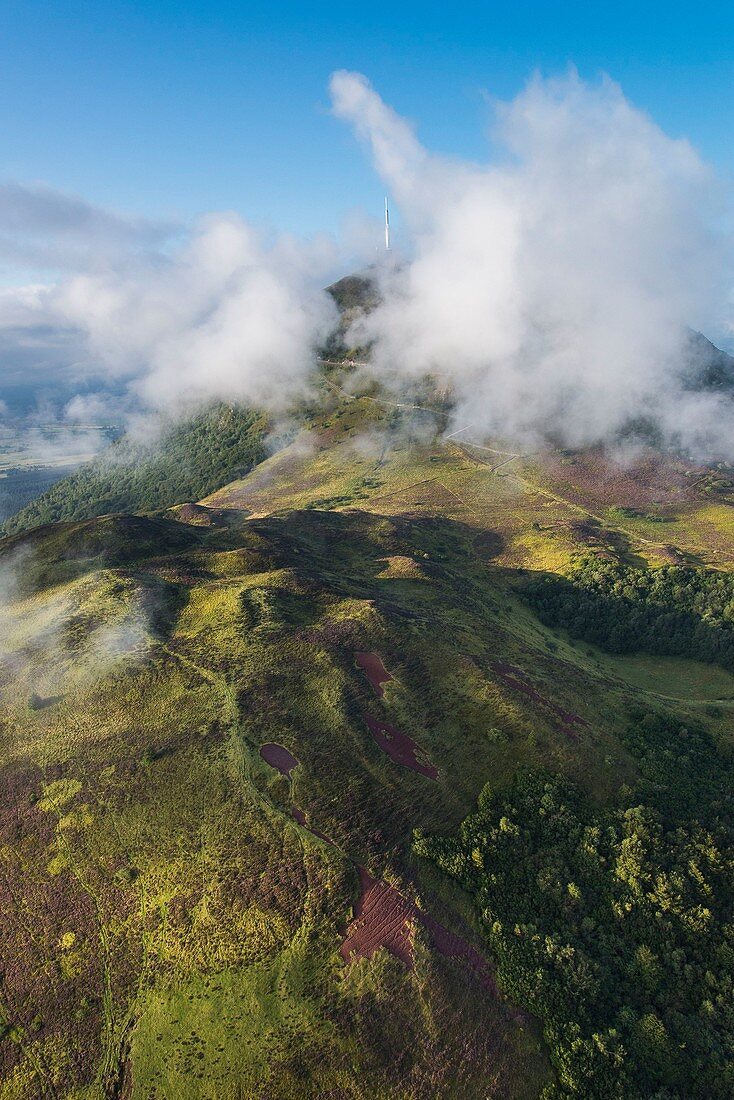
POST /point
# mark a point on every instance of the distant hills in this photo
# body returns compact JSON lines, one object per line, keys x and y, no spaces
{"x":708,"y":367}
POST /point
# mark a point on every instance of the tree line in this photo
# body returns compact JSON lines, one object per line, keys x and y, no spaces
{"x":677,"y":611}
{"x":187,"y":462}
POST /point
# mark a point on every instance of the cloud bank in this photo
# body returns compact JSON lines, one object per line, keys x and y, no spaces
{"x":227,"y":316}
{"x":224,"y":313}
{"x":41,"y":227}
{"x":552,"y":285}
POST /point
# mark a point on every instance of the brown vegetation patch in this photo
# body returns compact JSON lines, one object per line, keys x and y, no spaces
{"x":373,"y":668}
{"x":515,"y":678}
{"x":343,"y":634}
{"x":278,"y":757}
{"x":588,"y":533}
{"x":401,"y":748}
{"x":47,"y":961}
{"x":382,"y":918}
{"x":454,"y":947}
{"x":593,"y":478}
{"x":197,"y":515}
{"x":672,"y":554}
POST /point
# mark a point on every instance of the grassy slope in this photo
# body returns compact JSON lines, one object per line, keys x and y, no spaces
{"x":169,"y":929}
{"x":542,"y":508}
{"x":183,"y":891}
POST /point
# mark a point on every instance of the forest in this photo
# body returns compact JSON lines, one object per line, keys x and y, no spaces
{"x":613,"y":924}
{"x":193,"y":458}
{"x":673,"y":611}
{"x":25,"y":483}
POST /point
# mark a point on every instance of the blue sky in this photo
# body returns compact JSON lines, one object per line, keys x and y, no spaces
{"x":171,"y":109}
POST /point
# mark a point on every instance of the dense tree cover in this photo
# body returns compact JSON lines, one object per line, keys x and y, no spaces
{"x":19,"y":486}
{"x":675,"y":611}
{"x":616,"y":926}
{"x":191,"y":460}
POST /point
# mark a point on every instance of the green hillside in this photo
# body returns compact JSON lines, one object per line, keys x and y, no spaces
{"x":318,"y":788}
{"x":185,"y":462}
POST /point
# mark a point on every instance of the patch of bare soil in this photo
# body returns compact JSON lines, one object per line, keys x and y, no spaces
{"x":278,"y":757}
{"x":373,"y":668}
{"x":382,"y":918}
{"x":401,"y":748}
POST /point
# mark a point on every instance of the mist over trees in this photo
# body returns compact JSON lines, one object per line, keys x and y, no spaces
{"x":190,"y":460}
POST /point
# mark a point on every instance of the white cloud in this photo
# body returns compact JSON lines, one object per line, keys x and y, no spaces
{"x":227,"y":315}
{"x":553,"y":284}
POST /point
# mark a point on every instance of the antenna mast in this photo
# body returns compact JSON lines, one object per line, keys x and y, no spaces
{"x":387,"y":226}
